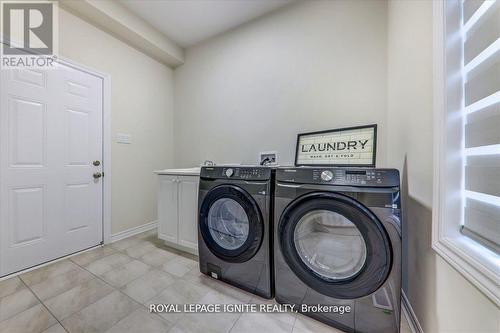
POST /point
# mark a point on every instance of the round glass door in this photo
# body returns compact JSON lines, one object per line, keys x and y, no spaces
{"x":231,"y":223}
{"x":335,"y":245}
{"x":228,"y":223}
{"x":330,"y":245}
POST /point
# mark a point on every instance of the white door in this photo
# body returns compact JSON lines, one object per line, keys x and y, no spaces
{"x":50,"y":134}
{"x":188,"y":211}
{"x":167,"y":208}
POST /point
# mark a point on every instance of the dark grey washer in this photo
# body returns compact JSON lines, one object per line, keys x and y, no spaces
{"x":234,"y":226}
{"x":337,"y":241}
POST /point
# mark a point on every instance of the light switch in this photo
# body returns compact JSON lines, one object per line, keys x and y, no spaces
{"x":123,"y":138}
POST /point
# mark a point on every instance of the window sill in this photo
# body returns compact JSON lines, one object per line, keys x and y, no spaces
{"x":479,"y":265}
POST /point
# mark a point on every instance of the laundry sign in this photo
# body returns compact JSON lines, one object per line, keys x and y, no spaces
{"x":353,"y":146}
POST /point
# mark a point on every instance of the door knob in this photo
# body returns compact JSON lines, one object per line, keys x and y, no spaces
{"x":96,"y":163}
{"x":97,"y":175}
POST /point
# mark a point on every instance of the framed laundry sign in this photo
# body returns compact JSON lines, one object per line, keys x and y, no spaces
{"x":352,"y":146}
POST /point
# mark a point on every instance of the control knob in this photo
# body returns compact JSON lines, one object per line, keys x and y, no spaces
{"x":327,"y":175}
{"x":229,"y":172}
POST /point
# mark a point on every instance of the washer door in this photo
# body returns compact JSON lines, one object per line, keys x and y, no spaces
{"x":335,"y":245}
{"x":231,"y":223}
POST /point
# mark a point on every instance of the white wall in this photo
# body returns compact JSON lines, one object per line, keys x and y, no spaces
{"x":444,"y":301}
{"x":315,"y":65}
{"x":142,"y":105}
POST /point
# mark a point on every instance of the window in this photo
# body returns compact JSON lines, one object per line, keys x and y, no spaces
{"x":466,"y":214}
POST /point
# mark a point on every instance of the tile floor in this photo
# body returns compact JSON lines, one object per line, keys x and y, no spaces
{"x":109,"y":288}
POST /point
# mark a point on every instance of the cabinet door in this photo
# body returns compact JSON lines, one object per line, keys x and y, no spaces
{"x":167,"y":208}
{"x":188,"y":211}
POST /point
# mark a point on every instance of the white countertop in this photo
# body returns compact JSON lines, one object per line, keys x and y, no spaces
{"x":182,"y":172}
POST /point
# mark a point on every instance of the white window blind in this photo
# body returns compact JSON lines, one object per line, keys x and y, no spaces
{"x":481,"y":96}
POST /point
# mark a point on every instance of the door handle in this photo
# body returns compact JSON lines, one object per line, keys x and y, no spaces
{"x":97,"y":175}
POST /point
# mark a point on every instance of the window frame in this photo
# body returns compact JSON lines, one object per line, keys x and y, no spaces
{"x":477,"y":263}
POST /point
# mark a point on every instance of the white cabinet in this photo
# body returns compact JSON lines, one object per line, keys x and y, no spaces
{"x":188,"y":211}
{"x":167,"y":208}
{"x":178,"y":211}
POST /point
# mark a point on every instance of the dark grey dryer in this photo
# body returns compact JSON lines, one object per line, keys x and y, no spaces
{"x":338,"y":242}
{"x":234,"y":226}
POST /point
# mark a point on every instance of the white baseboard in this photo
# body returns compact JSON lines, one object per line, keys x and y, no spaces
{"x":410,"y":315}
{"x":133,"y":231}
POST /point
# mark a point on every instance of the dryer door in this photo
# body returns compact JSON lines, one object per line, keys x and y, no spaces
{"x":335,"y":245}
{"x":231,"y":223}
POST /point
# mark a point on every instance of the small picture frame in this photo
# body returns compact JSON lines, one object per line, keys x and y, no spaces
{"x":344,"y":147}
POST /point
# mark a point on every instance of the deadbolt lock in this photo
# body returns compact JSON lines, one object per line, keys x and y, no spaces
{"x":97,"y":175}
{"x":96,"y":163}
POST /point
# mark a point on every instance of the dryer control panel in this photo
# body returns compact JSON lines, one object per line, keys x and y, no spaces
{"x":236,"y":172}
{"x":369,"y":177}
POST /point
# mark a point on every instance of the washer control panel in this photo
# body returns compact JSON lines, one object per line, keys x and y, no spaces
{"x":340,"y":176}
{"x":326,"y":175}
{"x":229,"y":172}
{"x":236,"y":172}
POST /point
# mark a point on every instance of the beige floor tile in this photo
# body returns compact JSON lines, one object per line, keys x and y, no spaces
{"x":86,"y":258}
{"x":57,"y":328}
{"x":215,"y":297}
{"x":224,"y":288}
{"x":33,"y":320}
{"x":123,"y":244}
{"x":101,"y":315}
{"x":304,"y":324}
{"x":152,"y":237}
{"x":10,"y":286}
{"x":122,"y":275}
{"x":180,"y":292}
{"x":48,"y":272}
{"x":140,"y":321}
{"x":61,"y":283}
{"x":207,"y":323}
{"x":194,"y":275}
{"x":148,"y":234}
{"x":85,"y":303}
{"x":287,"y":317}
{"x":210,"y":322}
{"x":149,"y":285}
{"x":16,"y":303}
{"x":405,"y":327}
{"x":140,"y":249}
{"x":157,"y":257}
{"x":179,"y":266}
{"x":108,"y":263}
{"x":77,"y":298}
{"x":261,"y":322}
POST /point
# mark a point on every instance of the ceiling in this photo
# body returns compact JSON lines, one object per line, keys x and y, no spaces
{"x":187,"y":22}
